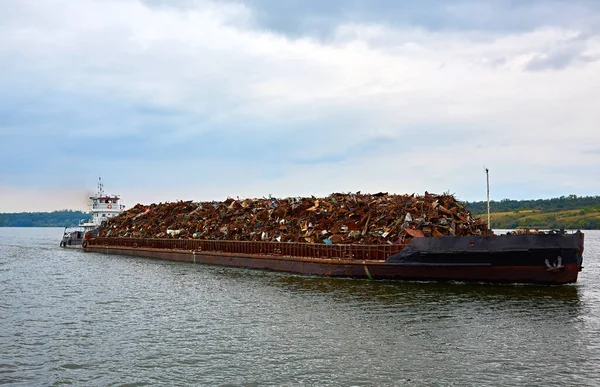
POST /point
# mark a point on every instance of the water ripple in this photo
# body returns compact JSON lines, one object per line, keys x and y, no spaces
{"x":70,"y":317}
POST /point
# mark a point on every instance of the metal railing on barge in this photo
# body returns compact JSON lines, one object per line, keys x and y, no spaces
{"x":292,"y":249}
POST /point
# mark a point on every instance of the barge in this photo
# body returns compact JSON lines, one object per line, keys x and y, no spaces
{"x":375,"y":236}
{"x":543,"y":258}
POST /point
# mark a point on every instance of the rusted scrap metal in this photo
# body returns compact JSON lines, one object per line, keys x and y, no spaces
{"x":339,"y":218}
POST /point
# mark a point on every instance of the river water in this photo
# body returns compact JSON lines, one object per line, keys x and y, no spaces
{"x":69,"y":317}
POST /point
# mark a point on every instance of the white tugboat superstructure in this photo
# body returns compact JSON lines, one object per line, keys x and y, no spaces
{"x":103,"y":207}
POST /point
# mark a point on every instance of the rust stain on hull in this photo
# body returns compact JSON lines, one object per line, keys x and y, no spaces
{"x":375,"y":269}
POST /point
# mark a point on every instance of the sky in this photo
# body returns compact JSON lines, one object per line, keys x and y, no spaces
{"x":204,"y":100}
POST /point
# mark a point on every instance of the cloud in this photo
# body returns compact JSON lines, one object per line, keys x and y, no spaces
{"x":202,"y":99}
{"x":562,"y":54}
{"x":319,"y":19}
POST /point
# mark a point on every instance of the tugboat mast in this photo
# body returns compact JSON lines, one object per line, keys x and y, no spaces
{"x":100,"y":187}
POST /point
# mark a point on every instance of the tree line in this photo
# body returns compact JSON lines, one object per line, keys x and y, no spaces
{"x":563,"y":203}
{"x":570,"y":212}
{"x":63,"y":218}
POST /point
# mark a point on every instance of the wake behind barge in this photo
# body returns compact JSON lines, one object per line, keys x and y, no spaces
{"x":552,"y":258}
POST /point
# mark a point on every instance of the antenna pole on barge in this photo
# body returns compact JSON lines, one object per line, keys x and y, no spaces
{"x":487,"y":177}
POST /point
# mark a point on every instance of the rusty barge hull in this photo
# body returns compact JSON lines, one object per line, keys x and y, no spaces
{"x":360,"y":269}
{"x":542,"y":259}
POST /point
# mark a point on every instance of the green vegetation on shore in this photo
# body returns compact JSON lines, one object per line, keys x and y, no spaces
{"x":571,"y":212}
{"x":64,"y":218}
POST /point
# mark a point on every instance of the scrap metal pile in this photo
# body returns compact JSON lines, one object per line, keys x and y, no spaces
{"x":338,"y":218}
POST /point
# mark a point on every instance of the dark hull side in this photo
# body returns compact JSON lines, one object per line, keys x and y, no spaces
{"x":515,"y":259}
{"x":504,"y":250}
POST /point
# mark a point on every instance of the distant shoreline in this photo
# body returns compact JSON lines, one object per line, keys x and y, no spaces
{"x":569,"y":212}
{"x":63,"y":218}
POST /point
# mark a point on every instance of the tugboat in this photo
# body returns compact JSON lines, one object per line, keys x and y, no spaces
{"x":103,"y":207}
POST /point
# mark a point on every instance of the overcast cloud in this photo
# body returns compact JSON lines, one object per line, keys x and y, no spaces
{"x":201,"y":100}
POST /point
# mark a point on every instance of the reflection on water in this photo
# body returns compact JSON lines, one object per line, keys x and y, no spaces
{"x":418,"y":291}
{"x":93,"y":319}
